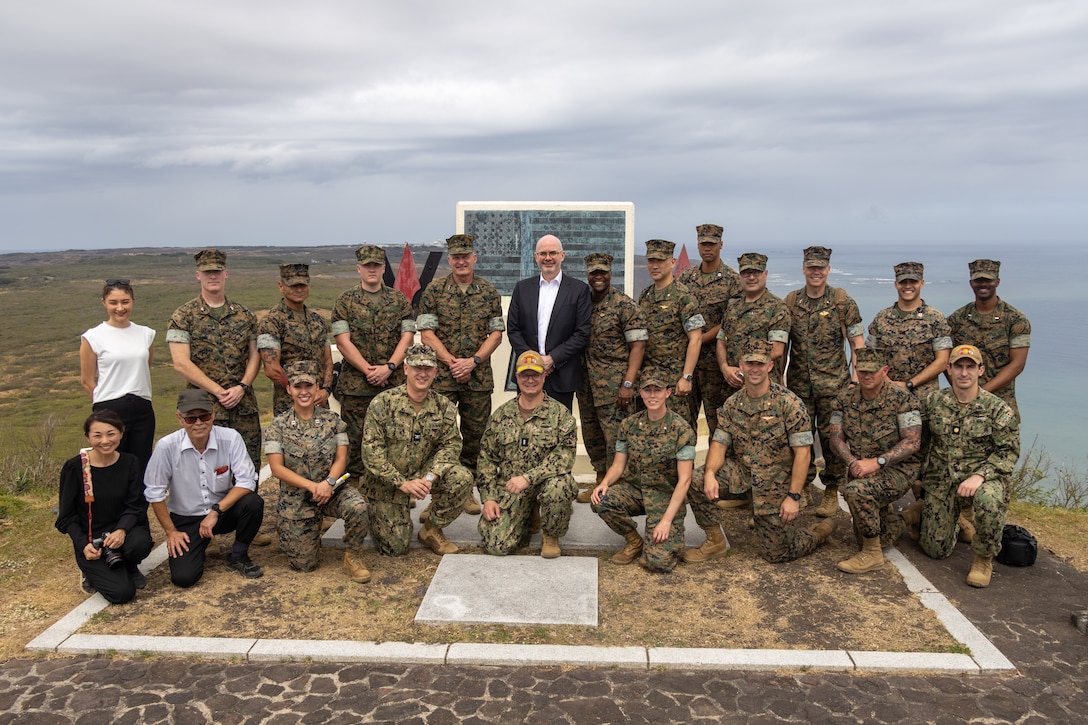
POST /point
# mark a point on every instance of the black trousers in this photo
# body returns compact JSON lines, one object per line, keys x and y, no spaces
{"x":244,"y":517}
{"x":116,"y":585}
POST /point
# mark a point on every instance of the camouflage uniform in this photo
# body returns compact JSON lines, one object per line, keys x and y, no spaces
{"x":653,"y":449}
{"x":616,"y":321}
{"x":713,"y":291}
{"x":670,"y":314}
{"x":541,"y":449}
{"x":400,"y":444}
{"x":376,"y":322}
{"x":308,"y":448}
{"x":765,"y":318}
{"x":462,"y":321}
{"x":994,"y":334}
{"x":910,"y":340}
{"x":218,"y":340}
{"x":297,"y":335}
{"x":872,"y":428}
{"x":758,"y":434}
{"x":818,"y":368}
{"x":981,"y":437}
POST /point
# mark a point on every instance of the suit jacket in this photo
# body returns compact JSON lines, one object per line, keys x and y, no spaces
{"x":568,"y":331}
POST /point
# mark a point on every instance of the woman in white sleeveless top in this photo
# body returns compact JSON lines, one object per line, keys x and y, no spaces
{"x":115,"y":369}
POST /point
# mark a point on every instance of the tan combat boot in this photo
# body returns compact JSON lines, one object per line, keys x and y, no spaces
{"x":870,"y":558}
{"x":829,"y":505}
{"x":631,"y":551}
{"x":912,"y":517}
{"x":549,"y":549}
{"x":966,"y":525}
{"x":981,"y":571}
{"x":823,"y":530}
{"x":355,"y":568}
{"x":735,"y":503}
{"x":534,"y":519}
{"x":714,"y":547}
{"x":425,"y":514}
{"x":433,"y":538}
{"x":471,"y":506}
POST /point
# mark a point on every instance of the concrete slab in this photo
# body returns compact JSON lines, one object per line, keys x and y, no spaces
{"x":67,"y":625}
{"x":515,"y":590}
{"x":914,"y":579}
{"x":988,"y":657}
{"x":522,"y":655}
{"x":209,"y":647}
{"x":748,"y":659}
{"x":939,"y":662}
{"x":276,"y":650}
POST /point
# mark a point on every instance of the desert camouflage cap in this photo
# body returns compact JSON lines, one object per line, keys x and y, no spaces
{"x":302,"y":371}
{"x":530,"y":360}
{"x":961,"y":351}
{"x":909,"y":270}
{"x":756,"y":350}
{"x":210,"y":260}
{"x":192,"y":399}
{"x":599,"y":262}
{"x":817,"y":257}
{"x":292,"y":274}
{"x":652,"y":376}
{"x":369,"y":254}
{"x":460,"y":244}
{"x":752,"y":260}
{"x":869,"y":359}
{"x":985,"y":269}
{"x":659,"y":249}
{"x":709,"y":233}
{"x":421,"y":355}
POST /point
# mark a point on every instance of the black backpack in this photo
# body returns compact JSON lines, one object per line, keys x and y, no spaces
{"x":1018,"y":546}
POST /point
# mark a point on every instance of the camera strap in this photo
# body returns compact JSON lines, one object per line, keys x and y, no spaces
{"x":88,"y":487}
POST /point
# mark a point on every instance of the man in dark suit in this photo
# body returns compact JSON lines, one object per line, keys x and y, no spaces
{"x":550,"y":313}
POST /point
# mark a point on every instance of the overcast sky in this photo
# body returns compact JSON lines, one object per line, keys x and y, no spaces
{"x":145,"y":122}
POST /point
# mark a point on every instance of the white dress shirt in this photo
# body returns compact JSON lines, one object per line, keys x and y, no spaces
{"x":544,"y":306}
{"x":197,"y":480}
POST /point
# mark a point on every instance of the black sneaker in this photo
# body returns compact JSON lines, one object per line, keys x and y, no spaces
{"x":138,"y":579}
{"x":86,"y":585}
{"x":245,"y":566}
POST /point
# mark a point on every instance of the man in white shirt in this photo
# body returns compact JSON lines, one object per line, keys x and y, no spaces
{"x":212,"y":487}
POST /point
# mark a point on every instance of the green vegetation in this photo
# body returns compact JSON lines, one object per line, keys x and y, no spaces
{"x":1068,"y":487}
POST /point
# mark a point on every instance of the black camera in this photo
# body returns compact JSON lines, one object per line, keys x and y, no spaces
{"x":113,"y":557}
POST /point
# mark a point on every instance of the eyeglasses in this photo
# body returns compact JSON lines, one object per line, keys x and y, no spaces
{"x":115,"y":282}
{"x":528,"y":374}
{"x":548,"y":254}
{"x":190,"y":419}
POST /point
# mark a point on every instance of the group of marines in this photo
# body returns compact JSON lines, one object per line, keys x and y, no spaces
{"x":770,"y":373}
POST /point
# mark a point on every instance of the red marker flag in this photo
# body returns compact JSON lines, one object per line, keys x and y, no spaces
{"x":407,"y":277}
{"x":682,"y":262}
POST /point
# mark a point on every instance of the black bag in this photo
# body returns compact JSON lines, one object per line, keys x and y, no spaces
{"x":1018,"y":547}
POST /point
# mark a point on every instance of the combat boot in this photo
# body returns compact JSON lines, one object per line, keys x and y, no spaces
{"x":425,"y":515}
{"x":715,"y":546}
{"x":534,"y":519}
{"x":549,"y":549}
{"x":981,"y":571}
{"x":586,"y":494}
{"x":829,"y":504}
{"x":355,"y":568}
{"x":966,"y":527}
{"x":735,"y":503}
{"x":471,"y":506}
{"x":631,"y":551}
{"x":870,"y":558}
{"x":912,"y":517}
{"x":432,"y":537}
{"x":823,"y":530}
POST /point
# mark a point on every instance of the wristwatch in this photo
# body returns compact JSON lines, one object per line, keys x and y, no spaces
{"x":477,"y":359}
{"x":689,"y":377}
{"x":794,"y":496}
{"x":429,"y":478}
{"x":628,"y":384}
{"x":391,"y":366}
{"x":247,"y":388}
{"x":881,"y":461}
{"x":910,"y":385}
{"x":215,"y":508}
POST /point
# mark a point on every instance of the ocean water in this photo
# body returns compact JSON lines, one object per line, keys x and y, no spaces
{"x":1045,"y":282}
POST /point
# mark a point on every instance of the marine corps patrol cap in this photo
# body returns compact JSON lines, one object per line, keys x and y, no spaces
{"x":984,"y":269}
{"x":756,"y":350}
{"x":709,"y":233}
{"x":650,"y":377}
{"x":192,"y":399}
{"x":460,"y":244}
{"x":421,"y":356}
{"x":817,"y":257}
{"x":659,"y":249}
{"x":292,"y":274}
{"x":910,"y":270}
{"x":752,"y":260}
{"x":530,"y":360}
{"x":869,"y":359}
{"x":302,"y":371}
{"x":370,"y":254}
{"x":210,"y":260}
{"x":961,"y":351}
{"x":599,"y":262}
